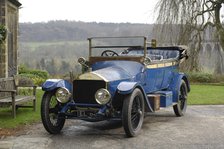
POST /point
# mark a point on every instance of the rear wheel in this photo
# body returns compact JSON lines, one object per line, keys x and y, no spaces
{"x":133,"y":113}
{"x":49,"y":113}
{"x":181,"y":106}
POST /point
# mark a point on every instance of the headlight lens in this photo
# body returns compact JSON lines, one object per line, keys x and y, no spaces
{"x":102,"y":96}
{"x":63,"y":95}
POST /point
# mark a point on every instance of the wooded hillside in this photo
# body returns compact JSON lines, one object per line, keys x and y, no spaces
{"x":71,"y":30}
{"x":55,"y":46}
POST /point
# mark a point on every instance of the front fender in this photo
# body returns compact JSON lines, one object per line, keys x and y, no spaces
{"x":52,"y":84}
{"x":175,"y":85}
{"x":125,"y":88}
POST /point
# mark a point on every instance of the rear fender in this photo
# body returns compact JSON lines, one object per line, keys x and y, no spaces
{"x":125,"y":88}
{"x":176,"y":83}
{"x":52,"y":84}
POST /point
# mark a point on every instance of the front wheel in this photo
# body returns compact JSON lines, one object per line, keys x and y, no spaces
{"x":133,"y":113}
{"x":49,"y":113}
{"x":181,"y":106}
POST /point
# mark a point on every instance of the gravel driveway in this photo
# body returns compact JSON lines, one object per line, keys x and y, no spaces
{"x":201,"y":127}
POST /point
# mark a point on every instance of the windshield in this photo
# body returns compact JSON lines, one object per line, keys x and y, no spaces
{"x":116,"y":46}
{"x":131,"y":49}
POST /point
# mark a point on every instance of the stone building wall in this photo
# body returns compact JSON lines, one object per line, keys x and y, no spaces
{"x":3,"y":47}
{"x":8,"y":51}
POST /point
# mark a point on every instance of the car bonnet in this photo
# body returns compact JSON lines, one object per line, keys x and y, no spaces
{"x":113,"y":71}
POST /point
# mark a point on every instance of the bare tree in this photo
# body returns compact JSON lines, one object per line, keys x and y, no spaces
{"x":185,"y":21}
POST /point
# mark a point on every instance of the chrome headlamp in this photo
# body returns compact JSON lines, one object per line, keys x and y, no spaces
{"x":102,"y":96}
{"x":63,"y":95}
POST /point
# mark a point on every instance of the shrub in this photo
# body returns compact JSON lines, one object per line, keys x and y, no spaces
{"x":3,"y":33}
{"x":200,"y":77}
{"x":38,"y":76}
{"x":39,"y":73}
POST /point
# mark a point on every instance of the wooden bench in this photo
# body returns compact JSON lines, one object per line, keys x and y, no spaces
{"x":9,"y":95}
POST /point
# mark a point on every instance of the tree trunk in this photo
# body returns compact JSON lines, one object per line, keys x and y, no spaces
{"x":218,"y":24}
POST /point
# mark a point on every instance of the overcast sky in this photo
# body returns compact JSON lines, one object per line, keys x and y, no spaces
{"x":118,"y":11}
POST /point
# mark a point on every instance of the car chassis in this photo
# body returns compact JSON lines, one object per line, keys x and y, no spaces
{"x":124,"y":82}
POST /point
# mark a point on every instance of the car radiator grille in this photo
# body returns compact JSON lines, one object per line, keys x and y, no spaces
{"x":84,"y":90}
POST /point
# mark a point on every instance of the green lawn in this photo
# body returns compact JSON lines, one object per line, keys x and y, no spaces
{"x":206,"y":95}
{"x":199,"y":95}
{"x":23,"y":115}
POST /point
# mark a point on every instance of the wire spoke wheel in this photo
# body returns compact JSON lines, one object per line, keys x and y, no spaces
{"x":133,"y":113}
{"x":136,"y":112}
{"x":181,"y":106}
{"x":49,"y":113}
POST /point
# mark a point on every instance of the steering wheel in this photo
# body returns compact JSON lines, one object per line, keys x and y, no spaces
{"x":109,"y":53}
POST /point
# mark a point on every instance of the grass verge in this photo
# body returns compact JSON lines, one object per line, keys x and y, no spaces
{"x":24,"y":116}
{"x":202,"y":94}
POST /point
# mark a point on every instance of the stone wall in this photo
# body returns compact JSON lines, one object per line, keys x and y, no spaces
{"x":3,"y":53}
{"x":8,"y":51}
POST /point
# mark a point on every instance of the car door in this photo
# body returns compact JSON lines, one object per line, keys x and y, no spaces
{"x":154,"y":78}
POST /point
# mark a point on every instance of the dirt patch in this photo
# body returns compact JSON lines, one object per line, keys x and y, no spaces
{"x":7,"y":132}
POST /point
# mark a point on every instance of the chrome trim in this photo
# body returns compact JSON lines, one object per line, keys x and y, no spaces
{"x":68,"y":95}
{"x":103,"y":78}
{"x":90,"y":76}
{"x":107,"y":99}
{"x":161,"y":65}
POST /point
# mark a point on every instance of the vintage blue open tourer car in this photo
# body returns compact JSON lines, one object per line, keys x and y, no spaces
{"x":124,"y":80}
